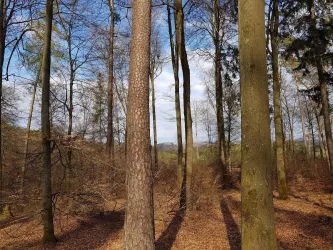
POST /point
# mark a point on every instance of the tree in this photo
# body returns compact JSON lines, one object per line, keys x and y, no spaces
{"x":175,"y":67}
{"x":258,"y":224}
{"x":308,"y":24}
{"x":110,"y":138}
{"x":279,"y":144}
{"x":139,"y":222}
{"x":187,"y":201}
{"x":48,"y":235}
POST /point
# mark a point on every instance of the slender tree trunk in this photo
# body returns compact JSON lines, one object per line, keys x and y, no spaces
{"x":26,"y":147}
{"x":139,"y":220}
{"x":308,"y":111}
{"x":219,"y":99}
{"x":300,"y":104}
{"x":180,"y":38}
{"x":175,"y":66}
{"x":321,"y":145}
{"x":70,"y":122}
{"x":324,"y":142}
{"x":325,"y":112}
{"x":258,"y":223}
{"x":290,"y":125}
{"x":3,"y":32}
{"x":279,"y":149}
{"x":47,"y":215}
{"x":110,"y":138}
{"x":152,"y":80}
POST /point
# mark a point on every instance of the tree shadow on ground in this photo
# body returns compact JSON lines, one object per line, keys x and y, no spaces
{"x":169,"y":235}
{"x":90,"y":234}
{"x":233,"y":232}
{"x":304,"y":226}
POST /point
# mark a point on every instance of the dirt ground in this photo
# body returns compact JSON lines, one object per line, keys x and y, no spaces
{"x":305,"y":221}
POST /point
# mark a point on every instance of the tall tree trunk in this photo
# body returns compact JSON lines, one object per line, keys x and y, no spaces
{"x":279,"y":148}
{"x":323,"y":86}
{"x":180,"y":38}
{"x":290,"y":125}
{"x":308,"y":111}
{"x":26,"y":147}
{"x":223,"y":161}
{"x":70,"y":122}
{"x":152,"y":80}
{"x":110,"y":138}
{"x":324,"y":142}
{"x":3,"y":32}
{"x":300,"y":104}
{"x":48,"y":235}
{"x":258,"y":223}
{"x":139,"y":220}
{"x":175,"y":67}
{"x":325,"y":112}
{"x":321,"y":145}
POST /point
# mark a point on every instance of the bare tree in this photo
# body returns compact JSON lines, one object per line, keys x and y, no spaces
{"x":175,"y":67}
{"x":279,"y":143}
{"x":46,"y":131}
{"x":180,"y":40}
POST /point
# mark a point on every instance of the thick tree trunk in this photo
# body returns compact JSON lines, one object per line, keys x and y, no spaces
{"x":279,"y":148}
{"x":180,"y":38}
{"x":175,"y":66}
{"x":110,"y":138}
{"x":258,"y":223}
{"x":223,"y":161}
{"x":139,"y":220}
{"x":26,"y":147}
{"x":47,"y":214}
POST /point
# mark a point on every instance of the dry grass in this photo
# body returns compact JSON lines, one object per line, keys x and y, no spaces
{"x":90,"y":215}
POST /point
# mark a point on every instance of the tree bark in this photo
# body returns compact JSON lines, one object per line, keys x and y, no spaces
{"x":110,"y":138}
{"x":279,"y":148}
{"x":180,"y":38}
{"x":258,"y":223}
{"x":139,"y":220}
{"x":223,"y":161}
{"x":3,"y":33}
{"x":175,"y":67}
{"x":47,"y":214}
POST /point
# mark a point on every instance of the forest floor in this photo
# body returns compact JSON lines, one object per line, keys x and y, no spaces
{"x":305,"y":222}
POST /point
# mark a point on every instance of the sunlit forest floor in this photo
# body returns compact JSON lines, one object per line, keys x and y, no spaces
{"x":89,"y":213}
{"x":305,"y":221}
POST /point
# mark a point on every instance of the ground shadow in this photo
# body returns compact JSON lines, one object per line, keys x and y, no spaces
{"x":306,"y":226}
{"x":169,"y":235}
{"x":90,"y":234}
{"x":233,"y":232}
